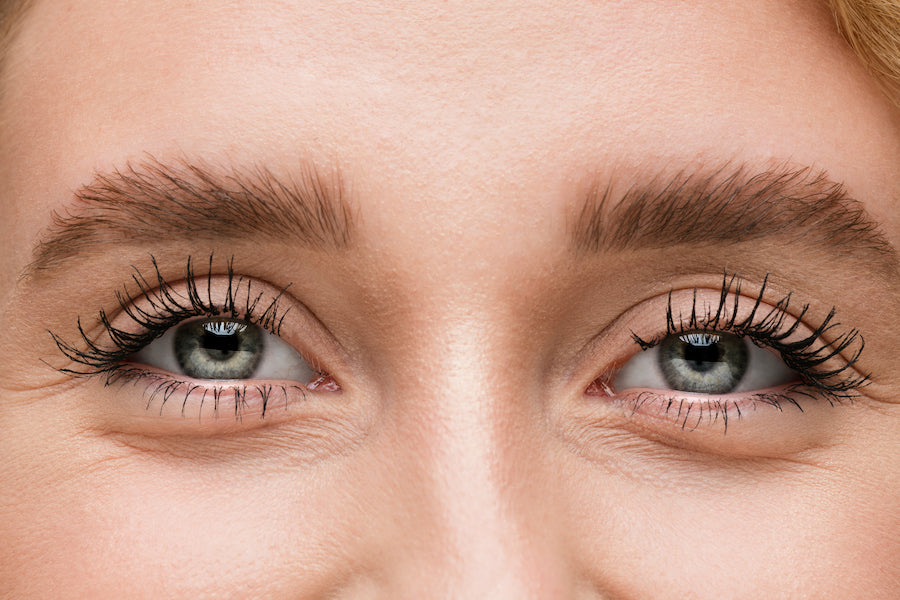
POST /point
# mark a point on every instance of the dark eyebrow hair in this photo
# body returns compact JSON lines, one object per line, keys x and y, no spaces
{"x":731,"y":205}
{"x":150,"y":201}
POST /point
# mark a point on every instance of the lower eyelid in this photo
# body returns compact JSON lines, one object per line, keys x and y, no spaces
{"x":771,"y":424}
{"x":168,"y":397}
{"x":150,"y":411}
{"x":772,"y":421}
{"x":690,"y":411}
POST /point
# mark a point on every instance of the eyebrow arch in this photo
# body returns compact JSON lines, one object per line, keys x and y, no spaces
{"x":796,"y":207}
{"x":149,"y":201}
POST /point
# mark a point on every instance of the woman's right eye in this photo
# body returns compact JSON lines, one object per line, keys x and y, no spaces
{"x":224,"y":349}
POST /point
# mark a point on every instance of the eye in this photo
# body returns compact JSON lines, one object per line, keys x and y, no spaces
{"x":224,"y":349}
{"x":704,"y":363}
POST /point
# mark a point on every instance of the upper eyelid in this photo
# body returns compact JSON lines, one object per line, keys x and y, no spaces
{"x":603,"y":353}
{"x":776,"y":318}
{"x":771,"y":331}
{"x":154,"y":305}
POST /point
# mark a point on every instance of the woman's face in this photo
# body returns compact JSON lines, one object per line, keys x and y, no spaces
{"x":429,"y":301}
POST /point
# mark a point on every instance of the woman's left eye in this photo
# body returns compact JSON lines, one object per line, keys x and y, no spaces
{"x":704,"y":362}
{"x":224,"y":349}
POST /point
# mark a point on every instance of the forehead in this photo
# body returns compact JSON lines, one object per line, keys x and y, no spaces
{"x":289,"y":61}
{"x":278,"y":59}
{"x":440,"y":99}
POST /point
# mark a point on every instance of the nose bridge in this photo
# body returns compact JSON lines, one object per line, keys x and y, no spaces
{"x":491,"y":497}
{"x":481,"y":450}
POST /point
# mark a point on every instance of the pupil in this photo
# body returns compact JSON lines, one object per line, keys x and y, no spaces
{"x":702,"y":358}
{"x":220,"y":347}
{"x":703,"y":362}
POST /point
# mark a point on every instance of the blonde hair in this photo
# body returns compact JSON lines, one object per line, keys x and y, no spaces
{"x":872,"y":28}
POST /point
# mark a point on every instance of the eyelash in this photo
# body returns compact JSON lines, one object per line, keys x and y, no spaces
{"x":770,"y":330}
{"x":165,"y":309}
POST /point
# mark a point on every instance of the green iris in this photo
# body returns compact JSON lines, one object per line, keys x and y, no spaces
{"x":702,"y":362}
{"x":218,"y":348}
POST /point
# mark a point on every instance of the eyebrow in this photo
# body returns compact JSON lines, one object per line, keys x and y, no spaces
{"x":150,"y":201}
{"x":796,"y":207}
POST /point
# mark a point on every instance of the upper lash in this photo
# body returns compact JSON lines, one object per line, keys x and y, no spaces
{"x":770,"y":330}
{"x":166,"y":309}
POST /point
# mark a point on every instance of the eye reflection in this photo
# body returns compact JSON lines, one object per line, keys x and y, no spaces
{"x":704,"y":363}
{"x":218,"y":349}
{"x":224,"y":349}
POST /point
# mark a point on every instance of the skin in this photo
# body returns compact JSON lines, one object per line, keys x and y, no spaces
{"x":461,"y":457}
